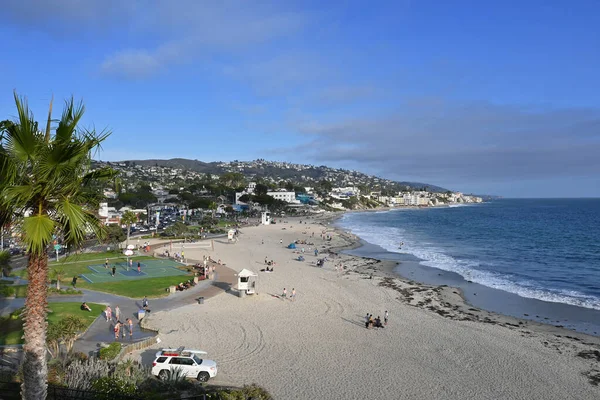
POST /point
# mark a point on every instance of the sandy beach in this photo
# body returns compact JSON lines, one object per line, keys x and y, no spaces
{"x":317,"y":347}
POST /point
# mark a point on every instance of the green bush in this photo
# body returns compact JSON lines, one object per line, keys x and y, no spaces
{"x":111,"y":386}
{"x":253,"y":392}
{"x":7,"y":291}
{"x":110,"y":352}
{"x":67,"y":291}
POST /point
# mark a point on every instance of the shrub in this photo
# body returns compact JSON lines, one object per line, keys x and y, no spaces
{"x":81,"y":374}
{"x":111,"y":352}
{"x":111,"y":386}
{"x":7,"y":291}
{"x":253,"y":392}
{"x":133,"y":372}
{"x":67,"y":291}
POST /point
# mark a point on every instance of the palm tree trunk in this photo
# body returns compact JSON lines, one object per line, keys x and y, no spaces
{"x":35,"y":370}
{"x":128,"y":230}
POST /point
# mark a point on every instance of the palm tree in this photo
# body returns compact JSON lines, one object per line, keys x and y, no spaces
{"x":128,"y":219}
{"x":58,"y":274}
{"x":5,"y":267}
{"x":48,"y":186}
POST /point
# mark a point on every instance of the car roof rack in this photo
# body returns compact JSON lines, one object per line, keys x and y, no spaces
{"x":180,"y":351}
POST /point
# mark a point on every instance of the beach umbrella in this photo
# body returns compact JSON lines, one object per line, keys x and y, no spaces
{"x":130,"y":247}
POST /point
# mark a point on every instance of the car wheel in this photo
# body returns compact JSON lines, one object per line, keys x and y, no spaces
{"x":203,"y":376}
{"x":163,"y":374}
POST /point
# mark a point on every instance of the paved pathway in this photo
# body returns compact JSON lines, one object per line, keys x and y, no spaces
{"x":102,"y":331}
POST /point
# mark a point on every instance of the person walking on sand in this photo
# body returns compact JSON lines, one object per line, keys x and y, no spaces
{"x":266,"y":261}
{"x":284,"y":295}
{"x":108,"y":313}
{"x":117,"y":313}
{"x":280,"y":241}
{"x":367,"y":321}
{"x":293,"y":295}
{"x":385,"y":318}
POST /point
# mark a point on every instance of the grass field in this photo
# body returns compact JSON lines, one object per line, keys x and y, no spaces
{"x":11,"y":329}
{"x":151,"y":287}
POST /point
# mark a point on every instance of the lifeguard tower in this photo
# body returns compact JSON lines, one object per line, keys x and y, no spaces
{"x":266,"y":218}
{"x":231,"y":236}
{"x":246,"y":282}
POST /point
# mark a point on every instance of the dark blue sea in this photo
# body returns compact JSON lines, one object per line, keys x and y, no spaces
{"x":545,"y":250}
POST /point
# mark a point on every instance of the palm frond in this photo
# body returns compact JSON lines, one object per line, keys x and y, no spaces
{"x":18,"y":196}
{"x":67,"y":126}
{"x":73,"y":221}
{"x":21,"y":140}
{"x":101,"y":174}
{"x":38,"y":231}
{"x":47,"y":136}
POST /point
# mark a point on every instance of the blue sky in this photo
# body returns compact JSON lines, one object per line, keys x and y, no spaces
{"x":485,"y":97}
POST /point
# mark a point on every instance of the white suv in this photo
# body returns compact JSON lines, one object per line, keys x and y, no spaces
{"x":188,"y":361}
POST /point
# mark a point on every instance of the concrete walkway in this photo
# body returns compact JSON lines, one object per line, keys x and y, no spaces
{"x":102,"y":331}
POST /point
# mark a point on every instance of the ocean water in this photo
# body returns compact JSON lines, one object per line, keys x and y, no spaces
{"x":544,"y":249}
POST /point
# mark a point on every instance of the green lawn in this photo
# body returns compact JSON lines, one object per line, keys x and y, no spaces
{"x":151,"y":287}
{"x":11,"y":329}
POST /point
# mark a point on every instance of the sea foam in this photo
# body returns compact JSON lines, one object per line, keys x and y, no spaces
{"x":390,"y":238}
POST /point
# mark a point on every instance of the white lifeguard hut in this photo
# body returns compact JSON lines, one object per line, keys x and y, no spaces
{"x":231,"y":237}
{"x":266,"y":218}
{"x":246,"y":282}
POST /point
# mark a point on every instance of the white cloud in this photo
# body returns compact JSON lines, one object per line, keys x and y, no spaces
{"x":439,"y":140}
{"x":187,"y":30}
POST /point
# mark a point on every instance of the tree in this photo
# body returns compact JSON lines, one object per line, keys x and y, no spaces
{"x":44,"y":185}
{"x":232,"y":179}
{"x":213,"y":206}
{"x":5,"y":267}
{"x":261,"y":189}
{"x":177,"y":229}
{"x":58,"y":274}
{"x":129,"y":218}
{"x":114,"y":234}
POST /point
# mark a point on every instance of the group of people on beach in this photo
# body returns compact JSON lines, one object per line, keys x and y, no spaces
{"x":371,"y":322}
{"x":119,"y":327}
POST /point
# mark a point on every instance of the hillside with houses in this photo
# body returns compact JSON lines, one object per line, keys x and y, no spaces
{"x":220,"y":188}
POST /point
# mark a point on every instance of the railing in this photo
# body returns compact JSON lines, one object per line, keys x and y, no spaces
{"x":12,"y":391}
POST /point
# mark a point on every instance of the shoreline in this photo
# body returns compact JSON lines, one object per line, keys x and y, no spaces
{"x":468,"y":309}
{"x":306,"y":348}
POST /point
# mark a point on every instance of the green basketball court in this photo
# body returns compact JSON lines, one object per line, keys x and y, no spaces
{"x":98,"y":273}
